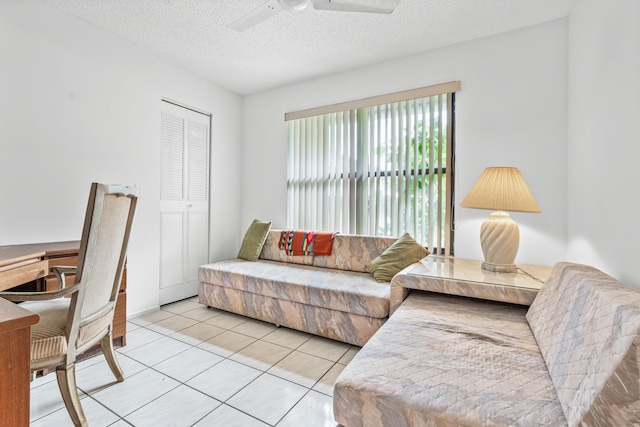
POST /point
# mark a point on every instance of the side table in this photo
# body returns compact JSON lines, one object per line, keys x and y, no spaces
{"x":464,"y":277}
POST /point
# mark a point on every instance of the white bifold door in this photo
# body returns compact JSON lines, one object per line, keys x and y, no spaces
{"x":184,"y":200}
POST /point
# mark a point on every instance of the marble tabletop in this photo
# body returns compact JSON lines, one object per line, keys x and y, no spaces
{"x":464,"y":277}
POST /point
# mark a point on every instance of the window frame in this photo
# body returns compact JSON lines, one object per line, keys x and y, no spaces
{"x":444,"y":242}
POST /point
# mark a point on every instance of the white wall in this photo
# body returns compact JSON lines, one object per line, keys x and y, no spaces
{"x":79,"y":105}
{"x":511,"y":111}
{"x":604,"y":139}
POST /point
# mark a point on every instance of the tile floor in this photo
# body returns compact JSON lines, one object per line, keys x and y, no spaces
{"x":189,"y":365}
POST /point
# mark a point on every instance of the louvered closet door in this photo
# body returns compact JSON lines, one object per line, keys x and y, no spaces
{"x":184,"y":201}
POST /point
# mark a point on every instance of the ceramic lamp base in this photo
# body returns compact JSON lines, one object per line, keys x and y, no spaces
{"x":499,"y":268}
{"x":500,"y":239}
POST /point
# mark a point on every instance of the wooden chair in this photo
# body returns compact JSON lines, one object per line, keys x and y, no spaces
{"x":70,"y":326}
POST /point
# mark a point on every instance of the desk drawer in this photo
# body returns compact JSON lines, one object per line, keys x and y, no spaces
{"x":23,"y":273}
{"x":70,"y":261}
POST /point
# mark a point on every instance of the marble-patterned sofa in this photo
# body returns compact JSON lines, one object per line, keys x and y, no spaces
{"x":571,"y":359}
{"x":333,"y":296}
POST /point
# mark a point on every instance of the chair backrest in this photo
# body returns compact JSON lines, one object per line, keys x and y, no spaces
{"x":101,"y":260}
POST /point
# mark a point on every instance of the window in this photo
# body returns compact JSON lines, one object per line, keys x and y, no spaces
{"x":381,"y":166}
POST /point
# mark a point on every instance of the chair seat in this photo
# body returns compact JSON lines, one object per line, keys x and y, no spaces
{"x":48,"y":341}
{"x":47,"y":336}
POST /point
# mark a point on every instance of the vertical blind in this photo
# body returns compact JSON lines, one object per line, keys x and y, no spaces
{"x":381,"y":169}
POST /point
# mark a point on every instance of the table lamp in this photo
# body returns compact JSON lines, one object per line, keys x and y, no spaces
{"x":500,"y":189}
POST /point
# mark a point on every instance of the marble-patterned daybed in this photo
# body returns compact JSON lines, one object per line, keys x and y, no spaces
{"x":332,"y":296}
{"x":572,"y":358}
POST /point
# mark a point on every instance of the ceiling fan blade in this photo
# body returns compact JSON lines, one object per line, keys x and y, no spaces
{"x":257,"y":15}
{"x":366,"y":6}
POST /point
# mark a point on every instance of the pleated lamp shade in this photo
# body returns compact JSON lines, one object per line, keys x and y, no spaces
{"x":500,"y":189}
{"x":503,"y":189}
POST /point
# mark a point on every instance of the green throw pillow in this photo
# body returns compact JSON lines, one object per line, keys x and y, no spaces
{"x":254,"y":240}
{"x":404,"y":252}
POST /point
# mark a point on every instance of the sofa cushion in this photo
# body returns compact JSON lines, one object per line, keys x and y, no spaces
{"x":254,"y":240}
{"x":587,"y":326}
{"x":352,"y":252}
{"x":404,"y":252}
{"x":442,"y":360}
{"x":351,"y":292}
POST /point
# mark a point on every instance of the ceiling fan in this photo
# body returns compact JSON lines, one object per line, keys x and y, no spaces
{"x":272,"y":7}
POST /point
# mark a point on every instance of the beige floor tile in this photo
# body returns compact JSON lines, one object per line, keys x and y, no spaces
{"x":198,"y":362}
{"x":188,"y":364}
{"x":315,"y":409}
{"x":181,"y":306}
{"x":255,"y":328}
{"x":45,"y":399}
{"x":157,"y":351}
{"x":224,"y":379}
{"x":325,"y":348}
{"x":139,"y":337}
{"x":202,"y":313}
{"x":326,"y":383}
{"x":132,"y":326}
{"x":97,"y":358}
{"x":301,"y":368}
{"x":349,"y":355}
{"x":97,"y":376}
{"x":227,"y":416}
{"x":227,"y":320}
{"x":153,"y":317}
{"x":41,"y":380}
{"x":134,"y":392}
{"x":286,"y":337}
{"x":226,"y":343}
{"x":172,"y":324}
{"x":180,"y":407}
{"x":97,"y":416}
{"x":197,"y":333}
{"x":259,"y":399}
{"x":261,"y":355}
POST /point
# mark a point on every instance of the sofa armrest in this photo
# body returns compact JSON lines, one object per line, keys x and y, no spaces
{"x":401,"y":286}
{"x":397,"y":295}
{"x":587,"y":326}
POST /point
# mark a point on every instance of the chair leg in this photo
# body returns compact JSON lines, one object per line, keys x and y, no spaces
{"x":109,"y":353}
{"x":67,"y":382}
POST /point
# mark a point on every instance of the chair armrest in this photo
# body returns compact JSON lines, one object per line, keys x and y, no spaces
{"x":40,"y":296}
{"x":60,"y":271}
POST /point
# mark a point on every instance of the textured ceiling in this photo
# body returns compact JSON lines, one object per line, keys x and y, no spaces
{"x":288,"y":47}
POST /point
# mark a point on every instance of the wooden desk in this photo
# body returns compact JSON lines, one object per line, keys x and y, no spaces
{"x":15,"y":348}
{"x":30,"y":264}
{"x":21,"y":264}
